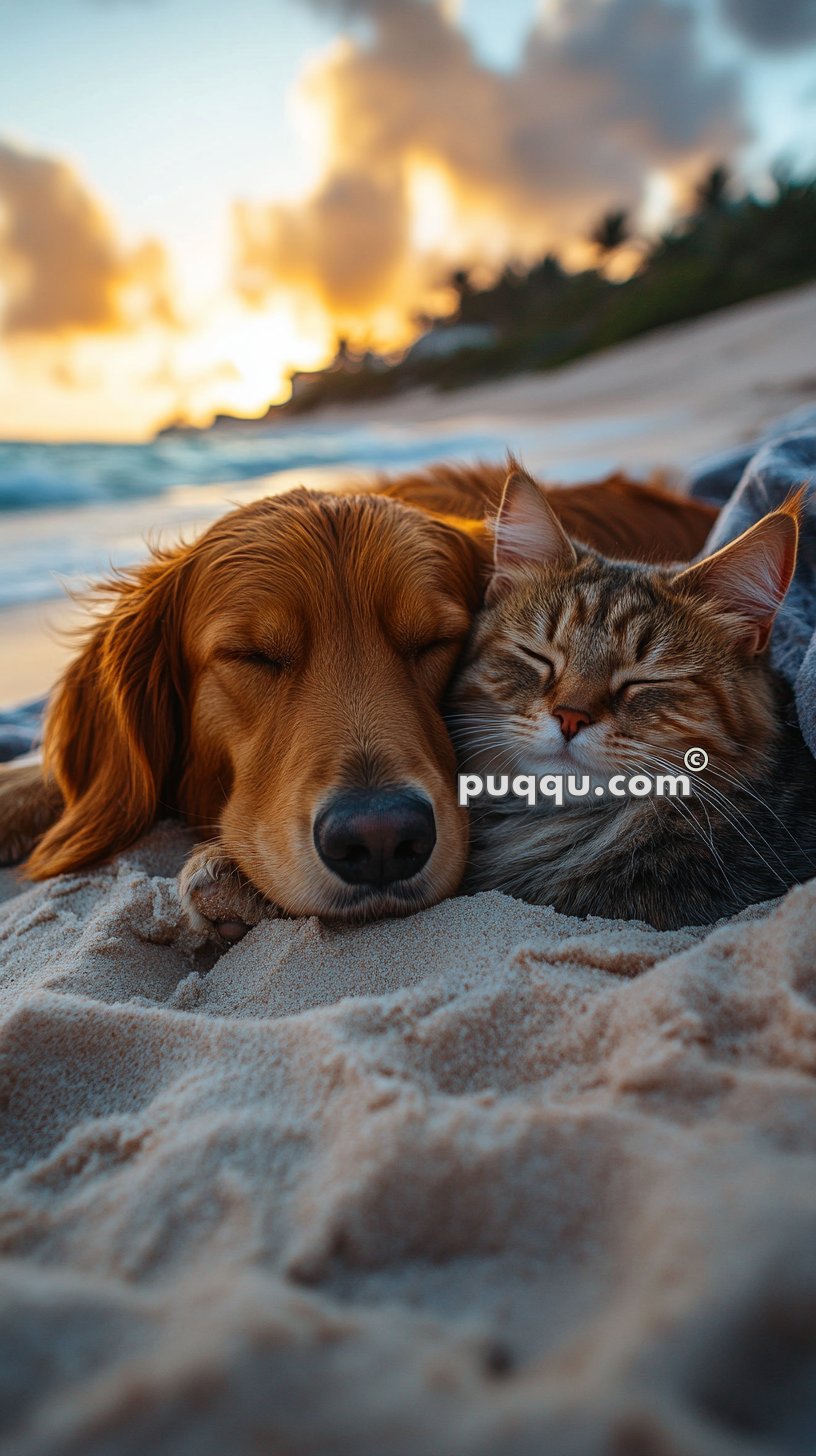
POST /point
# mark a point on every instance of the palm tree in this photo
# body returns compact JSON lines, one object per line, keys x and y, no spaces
{"x":612,"y":231}
{"x":712,"y":191}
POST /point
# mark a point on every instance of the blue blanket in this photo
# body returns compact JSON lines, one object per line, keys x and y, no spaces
{"x":20,"y":729}
{"x":747,"y":482}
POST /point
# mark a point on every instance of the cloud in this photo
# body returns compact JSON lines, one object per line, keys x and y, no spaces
{"x":63,"y":267}
{"x":606,"y":93}
{"x":344,"y":245}
{"x":773,"y":24}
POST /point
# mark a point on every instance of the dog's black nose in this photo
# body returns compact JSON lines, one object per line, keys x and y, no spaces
{"x":375,"y":836}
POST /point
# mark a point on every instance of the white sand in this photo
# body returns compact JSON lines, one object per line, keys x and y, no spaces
{"x":667,"y":398}
{"x":488,"y":1180}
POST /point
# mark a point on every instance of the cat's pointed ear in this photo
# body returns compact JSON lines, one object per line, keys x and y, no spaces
{"x":527,"y":531}
{"x":749,"y":577}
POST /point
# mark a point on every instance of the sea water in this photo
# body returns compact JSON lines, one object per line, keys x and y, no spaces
{"x":70,"y":512}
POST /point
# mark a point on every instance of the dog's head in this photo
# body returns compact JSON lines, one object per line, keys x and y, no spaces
{"x":280,"y":683}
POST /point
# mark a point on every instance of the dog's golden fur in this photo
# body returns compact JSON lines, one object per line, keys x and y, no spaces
{"x":302,"y":644}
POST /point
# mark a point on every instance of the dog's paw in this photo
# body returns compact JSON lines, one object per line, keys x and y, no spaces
{"x":218,"y":900}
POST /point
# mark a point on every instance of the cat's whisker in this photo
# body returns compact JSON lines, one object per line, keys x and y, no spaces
{"x":686,"y":813}
{"x":727,"y":808}
{"x":708,"y":840}
{"x":492,"y":756}
{"x":647,"y":762}
{"x":739,"y":782}
{"x":704,"y":788}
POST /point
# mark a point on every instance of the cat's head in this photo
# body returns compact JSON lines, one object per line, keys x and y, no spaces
{"x":580,"y":664}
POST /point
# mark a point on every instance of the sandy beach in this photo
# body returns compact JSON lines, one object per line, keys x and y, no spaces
{"x":33,"y":650}
{"x":662,"y":402}
{"x":485,"y":1182}
{"x":666,"y":398}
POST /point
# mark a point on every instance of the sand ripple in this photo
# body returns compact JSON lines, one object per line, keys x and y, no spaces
{"x":490,"y":1180}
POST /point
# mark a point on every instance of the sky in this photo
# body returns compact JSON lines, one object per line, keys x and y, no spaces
{"x":198,"y":197}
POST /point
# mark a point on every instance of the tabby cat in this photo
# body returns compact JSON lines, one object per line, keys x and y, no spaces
{"x":582,"y":666}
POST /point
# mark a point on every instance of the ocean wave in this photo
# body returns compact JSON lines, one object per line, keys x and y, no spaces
{"x":34,"y":476}
{"x":71,"y":512}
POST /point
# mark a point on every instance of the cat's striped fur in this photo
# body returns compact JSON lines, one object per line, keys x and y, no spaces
{"x":657,"y":661}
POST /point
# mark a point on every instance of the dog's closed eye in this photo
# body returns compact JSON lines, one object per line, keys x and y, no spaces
{"x":268,"y":660}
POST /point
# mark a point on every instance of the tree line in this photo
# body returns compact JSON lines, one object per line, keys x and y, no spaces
{"x":732,"y":244}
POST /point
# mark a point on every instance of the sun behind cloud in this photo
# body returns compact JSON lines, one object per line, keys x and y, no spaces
{"x":423,"y":158}
{"x":97,"y":341}
{"x":431,"y":158}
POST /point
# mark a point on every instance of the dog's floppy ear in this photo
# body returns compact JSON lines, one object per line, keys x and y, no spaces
{"x":113,"y":728}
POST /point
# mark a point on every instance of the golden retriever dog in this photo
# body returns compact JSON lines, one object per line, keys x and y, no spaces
{"x":279,"y":685}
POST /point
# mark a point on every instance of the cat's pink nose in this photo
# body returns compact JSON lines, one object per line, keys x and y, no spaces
{"x":571,"y":720}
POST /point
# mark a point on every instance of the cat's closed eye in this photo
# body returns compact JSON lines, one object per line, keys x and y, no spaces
{"x":537,"y":657}
{"x":628,"y":690}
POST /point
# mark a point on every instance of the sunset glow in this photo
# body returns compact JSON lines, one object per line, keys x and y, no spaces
{"x":179,"y":265}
